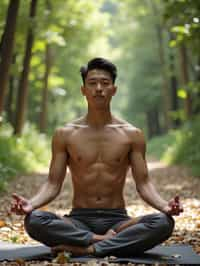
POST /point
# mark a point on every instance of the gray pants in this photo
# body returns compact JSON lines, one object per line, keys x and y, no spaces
{"x":78,"y":227}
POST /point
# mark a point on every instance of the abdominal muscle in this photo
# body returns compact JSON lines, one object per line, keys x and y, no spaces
{"x":98,"y":190}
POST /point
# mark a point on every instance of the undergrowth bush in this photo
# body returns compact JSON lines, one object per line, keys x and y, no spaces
{"x":181,"y":146}
{"x":24,"y":154}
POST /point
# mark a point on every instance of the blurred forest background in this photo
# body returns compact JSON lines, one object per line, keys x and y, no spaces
{"x":155,"y":45}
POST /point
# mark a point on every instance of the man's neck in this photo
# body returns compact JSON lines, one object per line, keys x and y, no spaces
{"x":99,"y":118}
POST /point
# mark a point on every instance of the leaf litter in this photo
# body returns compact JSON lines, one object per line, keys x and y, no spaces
{"x":169,"y":181}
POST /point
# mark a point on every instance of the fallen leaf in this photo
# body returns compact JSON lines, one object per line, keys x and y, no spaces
{"x":2,"y":223}
{"x":62,"y":257}
{"x":20,"y":262}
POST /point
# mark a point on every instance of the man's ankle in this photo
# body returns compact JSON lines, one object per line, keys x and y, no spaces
{"x":90,"y":250}
{"x":97,"y":238}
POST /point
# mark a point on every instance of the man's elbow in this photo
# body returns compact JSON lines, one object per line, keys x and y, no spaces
{"x":142,"y":187}
{"x":54,"y":189}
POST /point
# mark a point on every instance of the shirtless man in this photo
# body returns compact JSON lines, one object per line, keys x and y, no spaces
{"x":98,"y":149}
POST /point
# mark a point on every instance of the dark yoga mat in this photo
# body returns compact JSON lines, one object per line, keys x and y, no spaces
{"x":173,"y":254}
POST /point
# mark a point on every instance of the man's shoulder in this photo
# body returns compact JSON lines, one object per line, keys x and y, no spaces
{"x":129,"y":128}
{"x":135,"y":134}
{"x":77,"y":123}
{"x":68,"y":128}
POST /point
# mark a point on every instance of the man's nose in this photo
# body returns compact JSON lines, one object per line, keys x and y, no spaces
{"x":99,"y":87}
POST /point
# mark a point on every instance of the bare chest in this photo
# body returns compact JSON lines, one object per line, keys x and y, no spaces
{"x":110,"y":146}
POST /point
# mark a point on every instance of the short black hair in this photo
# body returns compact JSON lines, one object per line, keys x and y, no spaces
{"x":99,"y":63}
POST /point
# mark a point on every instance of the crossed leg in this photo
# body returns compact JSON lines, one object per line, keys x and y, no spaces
{"x":62,"y":233}
{"x":130,"y":237}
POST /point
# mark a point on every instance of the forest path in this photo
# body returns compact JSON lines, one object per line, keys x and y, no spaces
{"x":169,"y":181}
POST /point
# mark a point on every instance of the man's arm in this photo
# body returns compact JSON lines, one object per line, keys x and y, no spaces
{"x":144,"y":184}
{"x":52,"y":187}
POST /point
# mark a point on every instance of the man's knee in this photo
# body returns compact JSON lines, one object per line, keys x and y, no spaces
{"x":166,"y":224}
{"x":33,"y":222}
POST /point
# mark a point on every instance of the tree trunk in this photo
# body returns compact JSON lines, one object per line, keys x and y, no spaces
{"x":1,"y":44}
{"x":43,"y":114}
{"x":23,"y":83}
{"x":149,"y":125}
{"x":196,"y":109}
{"x":165,"y":87}
{"x":156,"y":122}
{"x":7,"y":45}
{"x":153,"y":123}
{"x":174,"y":87}
{"x":185,"y":79}
{"x":10,"y":97}
{"x":9,"y":102}
{"x":174,"y":100}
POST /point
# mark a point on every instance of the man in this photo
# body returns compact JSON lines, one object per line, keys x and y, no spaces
{"x":98,"y":149}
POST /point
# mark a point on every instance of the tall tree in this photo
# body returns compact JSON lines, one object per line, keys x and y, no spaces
{"x":185,"y":79}
{"x":44,"y":101}
{"x":174,"y":86}
{"x":7,"y":45}
{"x":23,"y":83}
{"x":184,"y":19}
{"x":165,"y":92}
{"x":11,"y":94}
{"x":43,"y":113}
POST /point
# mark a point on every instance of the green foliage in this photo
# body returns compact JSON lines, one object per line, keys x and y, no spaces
{"x":161,"y":145}
{"x":70,"y":28}
{"x":179,"y":146}
{"x":183,"y":18}
{"x":188,"y":146}
{"x":138,"y":61}
{"x":24,"y":154}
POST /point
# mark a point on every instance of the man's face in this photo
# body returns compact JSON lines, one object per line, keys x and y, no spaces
{"x":98,"y":88}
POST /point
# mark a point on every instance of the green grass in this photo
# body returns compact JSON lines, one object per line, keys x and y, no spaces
{"x":159,"y":146}
{"x":24,"y":154}
{"x":180,"y":146}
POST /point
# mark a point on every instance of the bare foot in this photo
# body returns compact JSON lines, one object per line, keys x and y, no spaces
{"x":110,"y":233}
{"x":75,"y":250}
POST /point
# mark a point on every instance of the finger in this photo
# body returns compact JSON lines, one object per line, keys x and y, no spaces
{"x":176,"y":199}
{"x":180,"y":209}
{"x":177,"y":212}
{"x":14,"y":206}
{"x":12,"y":209}
{"x":174,"y":207}
{"x":21,"y":212}
{"x":19,"y":207}
{"x":16,"y":197}
{"x":173,"y":210}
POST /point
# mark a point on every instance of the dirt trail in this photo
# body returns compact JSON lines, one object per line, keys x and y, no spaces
{"x":169,"y":180}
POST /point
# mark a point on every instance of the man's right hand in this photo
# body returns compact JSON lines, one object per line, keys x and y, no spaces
{"x":20,"y":205}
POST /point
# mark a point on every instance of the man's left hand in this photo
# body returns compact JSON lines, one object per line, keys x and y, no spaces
{"x":174,"y":207}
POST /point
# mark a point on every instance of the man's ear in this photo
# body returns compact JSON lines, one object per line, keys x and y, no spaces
{"x":114,"y":89}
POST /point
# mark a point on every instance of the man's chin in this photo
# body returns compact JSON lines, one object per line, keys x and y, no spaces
{"x":100,"y":105}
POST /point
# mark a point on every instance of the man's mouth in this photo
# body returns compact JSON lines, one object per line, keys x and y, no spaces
{"x":99,"y":97}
